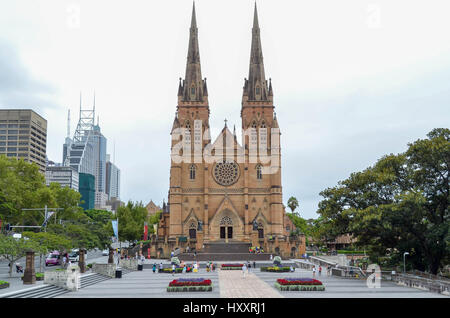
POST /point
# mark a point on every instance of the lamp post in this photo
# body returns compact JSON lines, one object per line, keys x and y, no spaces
{"x":404,"y":261}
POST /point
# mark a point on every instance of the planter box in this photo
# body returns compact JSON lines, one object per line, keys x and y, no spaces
{"x":4,"y":285}
{"x":279,"y":270}
{"x":299,"y":287}
{"x":190,"y":289}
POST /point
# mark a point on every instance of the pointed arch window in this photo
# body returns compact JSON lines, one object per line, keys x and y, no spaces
{"x":192,"y":170}
{"x":254,"y":124}
{"x":257,"y":90}
{"x":263,"y":125}
{"x":259,"y":172}
{"x":193,"y":90}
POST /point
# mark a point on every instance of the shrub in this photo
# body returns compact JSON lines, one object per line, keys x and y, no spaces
{"x":2,"y":282}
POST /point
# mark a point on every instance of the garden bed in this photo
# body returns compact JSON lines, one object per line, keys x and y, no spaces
{"x":299,"y":284}
{"x":190,"y":285}
{"x":178,"y":270}
{"x":231,"y":266}
{"x":276,"y":269}
{"x":39,"y":276}
{"x":3,"y":284}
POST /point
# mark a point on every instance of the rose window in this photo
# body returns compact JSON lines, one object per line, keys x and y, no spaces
{"x":226,"y":172}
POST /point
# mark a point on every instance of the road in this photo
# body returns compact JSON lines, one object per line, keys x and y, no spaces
{"x":92,"y":256}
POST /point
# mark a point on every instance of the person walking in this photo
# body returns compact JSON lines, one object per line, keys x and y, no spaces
{"x":244,"y":269}
{"x":161,"y":267}
{"x":314,"y":271}
{"x":154,"y":268}
{"x":254,"y":264}
{"x":184,"y":269}
{"x":320,"y":270}
{"x":173,"y":269}
{"x":248,"y":267}
{"x":271,"y":257}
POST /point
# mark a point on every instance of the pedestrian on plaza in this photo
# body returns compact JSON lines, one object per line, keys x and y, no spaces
{"x":212,"y":266}
{"x":154,"y":268}
{"x":173,"y":269}
{"x":254,"y":264}
{"x":314,"y":271}
{"x":271,"y":256}
{"x":161,"y":267}
{"x":320,"y":270}
{"x":171,"y":254}
{"x":244,"y":269}
{"x":248,"y":267}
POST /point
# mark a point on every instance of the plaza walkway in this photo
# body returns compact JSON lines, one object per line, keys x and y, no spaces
{"x":234,"y":285}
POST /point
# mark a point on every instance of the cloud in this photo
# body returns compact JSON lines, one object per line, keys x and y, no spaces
{"x":18,"y":87}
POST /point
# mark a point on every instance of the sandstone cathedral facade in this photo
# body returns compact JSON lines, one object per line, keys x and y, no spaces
{"x":223,"y":190}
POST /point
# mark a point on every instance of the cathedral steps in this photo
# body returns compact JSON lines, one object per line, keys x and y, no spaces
{"x":221,"y":251}
{"x":242,"y":257}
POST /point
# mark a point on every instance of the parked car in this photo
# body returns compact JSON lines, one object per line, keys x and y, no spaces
{"x":105,"y":252}
{"x":53,"y":259}
{"x":74,"y":256}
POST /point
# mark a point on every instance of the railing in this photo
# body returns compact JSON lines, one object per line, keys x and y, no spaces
{"x":415,"y":281}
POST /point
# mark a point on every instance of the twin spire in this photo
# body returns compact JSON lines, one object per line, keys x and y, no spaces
{"x":193,"y":87}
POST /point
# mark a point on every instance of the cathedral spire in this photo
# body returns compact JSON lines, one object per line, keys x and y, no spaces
{"x":193,"y":85}
{"x":256,"y":86}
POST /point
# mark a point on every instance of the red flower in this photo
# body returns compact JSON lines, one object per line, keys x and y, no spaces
{"x":299,"y":282}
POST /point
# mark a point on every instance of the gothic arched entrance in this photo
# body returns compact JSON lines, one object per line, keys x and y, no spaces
{"x":226,"y":228}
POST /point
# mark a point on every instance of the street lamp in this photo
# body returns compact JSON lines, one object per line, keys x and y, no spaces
{"x":404,"y":262}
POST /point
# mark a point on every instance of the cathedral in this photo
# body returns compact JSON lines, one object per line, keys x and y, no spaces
{"x":222,"y":190}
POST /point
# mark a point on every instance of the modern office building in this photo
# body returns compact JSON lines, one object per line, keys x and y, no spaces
{"x":87,"y":190}
{"x":112,"y":179}
{"x":66,"y":176}
{"x":23,"y":134}
{"x":99,"y":146}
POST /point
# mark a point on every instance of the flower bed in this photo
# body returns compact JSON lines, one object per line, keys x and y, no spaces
{"x":299,"y":284}
{"x":190,"y":284}
{"x":231,"y":266}
{"x":178,"y":270}
{"x":3,"y":284}
{"x":276,"y":269}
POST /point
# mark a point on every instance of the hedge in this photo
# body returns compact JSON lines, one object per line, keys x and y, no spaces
{"x":299,"y":287}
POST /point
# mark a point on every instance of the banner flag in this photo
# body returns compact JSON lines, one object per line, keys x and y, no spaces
{"x":47,"y":217}
{"x":115,"y":227}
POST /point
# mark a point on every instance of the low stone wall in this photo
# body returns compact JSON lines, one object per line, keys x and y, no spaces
{"x":105,"y":269}
{"x":423,"y":284}
{"x":68,"y":279}
{"x":131,"y":264}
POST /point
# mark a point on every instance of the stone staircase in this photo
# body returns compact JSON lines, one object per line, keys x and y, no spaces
{"x":221,"y":251}
{"x":50,"y":291}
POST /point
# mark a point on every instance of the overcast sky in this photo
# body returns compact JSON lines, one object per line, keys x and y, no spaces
{"x":353,"y":80}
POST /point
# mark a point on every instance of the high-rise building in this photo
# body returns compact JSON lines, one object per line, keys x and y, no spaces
{"x":23,"y":134}
{"x":99,"y":146}
{"x":112,"y":179}
{"x":87,"y":190}
{"x":66,"y":176}
{"x":86,"y":152}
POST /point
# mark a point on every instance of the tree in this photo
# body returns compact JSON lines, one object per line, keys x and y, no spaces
{"x":12,"y":249}
{"x":131,"y":221}
{"x":401,"y":204}
{"x":292,"y":204}
{"x":47,"y":242}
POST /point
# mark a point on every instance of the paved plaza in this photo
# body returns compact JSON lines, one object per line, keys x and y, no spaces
{"x":232,"y":284}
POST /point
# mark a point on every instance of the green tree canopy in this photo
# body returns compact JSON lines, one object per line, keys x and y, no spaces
{"x":401,"y":204}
